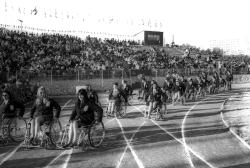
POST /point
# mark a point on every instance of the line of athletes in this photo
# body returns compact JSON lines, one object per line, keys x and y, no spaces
{"x":87,"y":107}
{"x":176,"y":88}
{"x":86,"y":111}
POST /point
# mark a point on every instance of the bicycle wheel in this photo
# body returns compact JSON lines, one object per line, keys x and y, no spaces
{"x":96,"y":134}
{"x":55,"y":133}
{"x":17,"y":129}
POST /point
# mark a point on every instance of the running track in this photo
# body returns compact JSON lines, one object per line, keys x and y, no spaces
{"x":192,"y":136}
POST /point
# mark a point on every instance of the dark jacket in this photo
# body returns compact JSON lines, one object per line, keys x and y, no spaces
{"x":10,"y":109}
{"x":155,"y":96}
{"x":167,"y":86}
{"x":127,"y":90}
{"x":93,"y":97}
{"x":117,"y":97}
{"x":79,"y":113}
{"x":145,"y":87}
{"x":46,"y":109}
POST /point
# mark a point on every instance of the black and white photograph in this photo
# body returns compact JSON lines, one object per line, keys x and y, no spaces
{"x":124,"y":84}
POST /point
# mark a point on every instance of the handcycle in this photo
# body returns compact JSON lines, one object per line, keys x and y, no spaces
{"x":120,"y":109}
{"x":92,"y":135}
{"x":49,"y":134}
{"x":12,"y":130}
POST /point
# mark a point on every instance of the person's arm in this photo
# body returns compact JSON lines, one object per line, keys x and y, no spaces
{"x":123,"y":95}
{"x":33,"y":109}
{"x":73,"y":113}
{"x":96,"y":97}
{"x":57,"y":107}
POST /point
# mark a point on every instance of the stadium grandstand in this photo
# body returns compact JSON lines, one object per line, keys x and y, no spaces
{"x":120,"y":69}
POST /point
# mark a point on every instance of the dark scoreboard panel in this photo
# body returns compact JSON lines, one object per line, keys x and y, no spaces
{"x":153,"y":38}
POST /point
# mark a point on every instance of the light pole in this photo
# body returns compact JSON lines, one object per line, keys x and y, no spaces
{"x":21,"y":24}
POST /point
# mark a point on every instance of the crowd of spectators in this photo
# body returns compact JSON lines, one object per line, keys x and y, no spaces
{"x":38,"y":52}
{"x":33,"y":52}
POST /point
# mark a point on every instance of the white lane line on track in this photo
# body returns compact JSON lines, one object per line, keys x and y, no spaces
{"x":138,"y":161}
{"x":65,"y":105}
{"x":183,"y":129}
{"x":178,"y":140}
{"x":20,"y":145}
{"x":183,"y":136}
{"x":226,"y":124}
{"x":67,"y":159}
{"x":69,"y":152}
{"x":125,"y":150}
{"x":2,"y":154}
{"x":53,"y":161}
{"x":61,"y":154}
{"x":11,"y":153}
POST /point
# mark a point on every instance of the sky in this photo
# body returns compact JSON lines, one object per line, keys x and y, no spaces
{"x":203,"y":23}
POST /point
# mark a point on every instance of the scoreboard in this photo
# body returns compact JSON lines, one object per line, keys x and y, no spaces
{"x":153,"y":38}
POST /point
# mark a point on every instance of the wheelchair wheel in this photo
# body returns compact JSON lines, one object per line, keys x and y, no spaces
{"x":64,"y":139}
{"x":55,"y":133}
{"x":123,"y":110}
{"x":158,"y":114}
{"x":96,"y":134}
{"x":108,"y":114}
{"x":17,"y":129}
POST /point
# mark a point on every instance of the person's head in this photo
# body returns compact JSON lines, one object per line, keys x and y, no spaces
{"x":177,"y":82}
{"x":6,"y":95}
{"x":82,"y":95}
{"x":41,"y":92}
{"x":154,"y":84}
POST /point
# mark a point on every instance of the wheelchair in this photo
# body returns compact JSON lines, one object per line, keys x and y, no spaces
{"x":92,"y":135}
{"x":12,"y":130}
{"x":120,"y":109}
{"x":157,"y":113}
{"x":49,"y":134}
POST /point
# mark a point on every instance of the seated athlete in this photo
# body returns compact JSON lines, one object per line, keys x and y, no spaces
{"x":115,"y":99}
{"x":82,"y":115}
{"x":9,"y":107}
{"x":229,"y":79}
{"x":95,"y":104}
{"x":190,"y":89}
{"x":167,"y":88}
{"x":154,"y":98}
{"x":126,"y":89}
{"x":145,"y":86}
{"x":42,"y":111}
{"x":182,"y":89}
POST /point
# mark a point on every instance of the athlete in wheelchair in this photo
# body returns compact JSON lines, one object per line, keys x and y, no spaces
{"x":11,"y":121}
{"x":155,"y":102}
{"x":115,"y":100}
{"x":143,"y":92}
{"x":83,"y":117}
{"x":42,"y":115}
{"x":127,"y":90}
